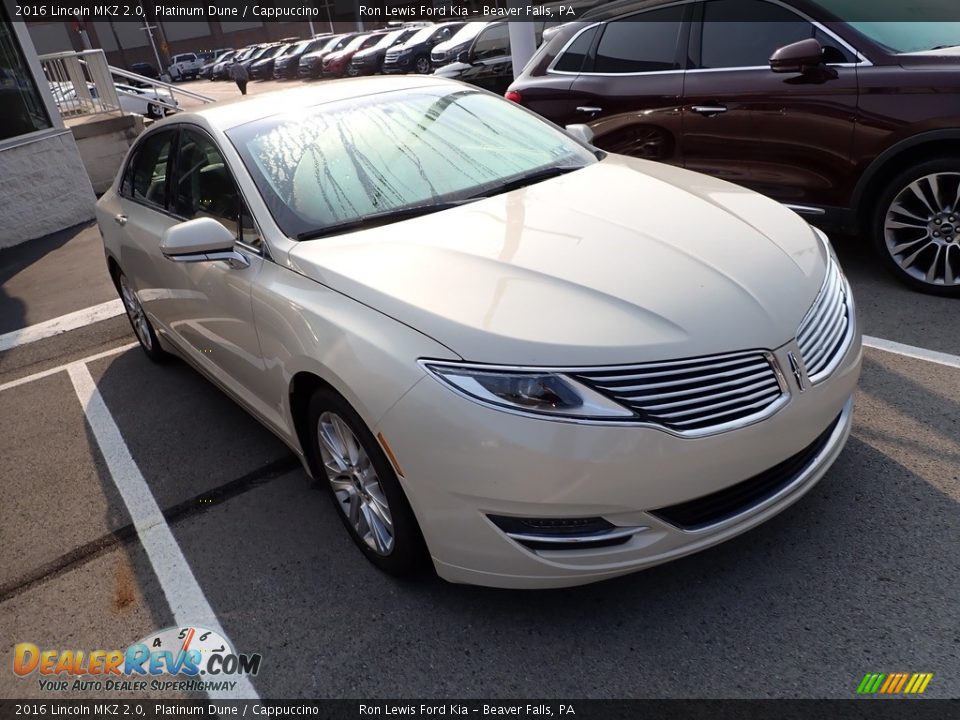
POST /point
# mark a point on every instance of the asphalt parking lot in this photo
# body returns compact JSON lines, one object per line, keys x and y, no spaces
{"x":863,"y":575}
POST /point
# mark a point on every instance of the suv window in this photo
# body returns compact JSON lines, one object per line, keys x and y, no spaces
{"x":492,"y":42}
{"x":146,"y":176}
{"x":572,"y":58}
{"x":729,"y":42}
{"x":204,"y":187}
{"x":641,"y":43}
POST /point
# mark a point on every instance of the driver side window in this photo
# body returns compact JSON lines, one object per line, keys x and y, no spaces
{"x":492,"y":42}
{"x":204,"y":187}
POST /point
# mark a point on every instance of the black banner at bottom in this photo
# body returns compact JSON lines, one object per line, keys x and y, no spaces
{"x":859,"y":709}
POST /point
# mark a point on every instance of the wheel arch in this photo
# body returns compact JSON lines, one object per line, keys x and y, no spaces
{"x":303,"y":385}
{"x":897,"y":158}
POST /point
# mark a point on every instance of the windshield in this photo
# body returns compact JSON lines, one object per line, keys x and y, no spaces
{"x":422,"y":35}
{"x":467,"y":32}
{"x":225,"y":56}
{"x":389,"y":39}
{"x":274,"y":51}
{"x":908,"y":37}
{"x":358,"y":42}
{"x":340,"y":162}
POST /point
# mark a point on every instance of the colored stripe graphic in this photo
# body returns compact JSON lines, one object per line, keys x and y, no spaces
{"x":894,"y":683}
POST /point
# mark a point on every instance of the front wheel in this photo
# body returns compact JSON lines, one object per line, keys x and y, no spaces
{"x":352,"y":71}
{"x":153,"y":111}
{"x":422,"y":65}
{"x":916,"y":227}
{"x":363,"y":486}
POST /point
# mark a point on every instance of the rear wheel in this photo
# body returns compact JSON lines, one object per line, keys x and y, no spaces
{"x":363,"y":486}
{"x":916,"y":226}
{"x":139,"y":321}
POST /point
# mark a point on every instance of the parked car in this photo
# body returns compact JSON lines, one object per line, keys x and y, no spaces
{"x":150,"y":102}
{"x":855,"y":125}
{"x":414,"y":54}
{"x":259,"y":52}
{"x":370,"y":61}
{"x":311,"y":63}
{"x":262,"y":68}
{"x":207,"y":70}
{"x":145,"y":69}
{"x":184,"y":66}
{"x":221,"y":71}
{"x":447,"y":51}
{"x":337,"y":63}
{"x":285,"y":66}
{"x":488,"y":63}
{"x":535,"y":363}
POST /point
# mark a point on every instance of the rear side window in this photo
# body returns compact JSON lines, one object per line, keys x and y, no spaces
{"x":641,"y":43}
{"x":146,"y":176}
{"x":573,"y":57}
{"x":729,"y":42}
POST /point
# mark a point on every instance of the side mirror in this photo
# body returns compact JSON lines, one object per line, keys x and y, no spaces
{"x":201,"y":240}
{"x":464,"y":57}
{"x":583,"y":133}
{"x":797,"y":57}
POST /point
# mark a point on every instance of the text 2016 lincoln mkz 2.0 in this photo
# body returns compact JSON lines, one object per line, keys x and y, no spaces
{"x":534,"y":362}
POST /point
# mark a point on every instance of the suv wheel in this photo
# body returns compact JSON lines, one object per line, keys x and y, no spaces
{"x":422,"y":64}
{"x":916,"y":226}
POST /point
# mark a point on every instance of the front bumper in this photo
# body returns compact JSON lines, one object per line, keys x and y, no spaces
{"x":400,"y":65}
{"x":462,"y":461}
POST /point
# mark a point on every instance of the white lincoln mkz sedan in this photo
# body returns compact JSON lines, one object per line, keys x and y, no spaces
{"x":534,"y":362}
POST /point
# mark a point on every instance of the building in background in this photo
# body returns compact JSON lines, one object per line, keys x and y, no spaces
{"x":43,"y":184}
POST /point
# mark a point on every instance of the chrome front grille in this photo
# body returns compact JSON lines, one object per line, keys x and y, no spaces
{"x":825,"y":332}
{"x":696,"y":396}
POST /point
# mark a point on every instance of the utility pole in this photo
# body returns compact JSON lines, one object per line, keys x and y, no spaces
{"x":150,"y":28}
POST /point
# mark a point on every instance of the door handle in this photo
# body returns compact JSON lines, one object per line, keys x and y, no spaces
{"x":120,"y":219}
{"x":589,"y":109}
{"x":709,"y":109}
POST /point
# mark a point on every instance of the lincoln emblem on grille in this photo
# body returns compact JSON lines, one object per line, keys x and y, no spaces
{"x":795,"y":369}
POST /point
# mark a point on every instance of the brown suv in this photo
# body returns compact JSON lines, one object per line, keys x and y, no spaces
{"x":855,"y":125}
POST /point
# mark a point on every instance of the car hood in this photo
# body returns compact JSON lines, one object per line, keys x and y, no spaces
{"x":624,"y":261}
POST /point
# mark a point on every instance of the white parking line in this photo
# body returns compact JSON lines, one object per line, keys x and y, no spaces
{"x":64,"y":323}
{"x":184,"y":595}
{"x":60,"y":368}
{"x":910,"y":351}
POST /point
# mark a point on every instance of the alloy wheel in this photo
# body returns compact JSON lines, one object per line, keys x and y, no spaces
{"x":422,"y":65}
{"x":921,"y":229}
{"x":138,"y":318}
{"x":355,"y":483}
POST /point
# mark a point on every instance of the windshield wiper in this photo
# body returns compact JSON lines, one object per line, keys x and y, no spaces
{"x":530,"y":179}
{"x":383,"y":218}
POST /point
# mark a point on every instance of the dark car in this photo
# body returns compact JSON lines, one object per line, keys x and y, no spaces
{"x":285,"y":65}
{"x":488,"y":63}
{"x":337,"y":63}
{"x":854,"y":125}
{"x":207,"y":70}
{"x":262,"y":67}
{"x":447,"y":51}
{"x":370,"y":61}
{"x":414,"y":54}
{"x":311,"y":63}
{"x":145,"y":69}
{"x":258,"y":54}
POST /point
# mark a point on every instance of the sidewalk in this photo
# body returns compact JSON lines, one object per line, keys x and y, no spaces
{"x":52,"y":276}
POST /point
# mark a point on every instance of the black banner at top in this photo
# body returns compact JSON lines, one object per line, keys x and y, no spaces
{"x":379,"y":12}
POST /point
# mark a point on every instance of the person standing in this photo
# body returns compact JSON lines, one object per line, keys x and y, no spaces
{"x":238,"y":73}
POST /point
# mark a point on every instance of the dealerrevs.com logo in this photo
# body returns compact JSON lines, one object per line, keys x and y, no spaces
{"x":191,"y":658}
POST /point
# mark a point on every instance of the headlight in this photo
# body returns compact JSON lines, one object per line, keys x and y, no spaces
{"x":530,"y":391}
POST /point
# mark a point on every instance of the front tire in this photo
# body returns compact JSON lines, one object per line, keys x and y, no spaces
{"x":422,"y":65}
{"x":142,"y":327}
{"x":363,"y":486}
{"x":916,"y":227}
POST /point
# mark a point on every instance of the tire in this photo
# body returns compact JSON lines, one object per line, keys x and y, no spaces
{"x":352,"y":71}
{"x":361,"y":463}
{"x":142,"y":327}
{"x":915,"y":226}
{"x":421,"y":65}
{"x":153,"y":111}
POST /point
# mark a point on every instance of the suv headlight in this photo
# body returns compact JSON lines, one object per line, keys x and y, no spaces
{"x":529,"y":391}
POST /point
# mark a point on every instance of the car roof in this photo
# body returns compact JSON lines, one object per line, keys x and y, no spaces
{"x":232,"y":113}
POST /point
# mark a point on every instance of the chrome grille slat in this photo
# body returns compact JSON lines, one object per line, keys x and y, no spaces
{"x":694,"y":395}
{"x":767,"y":384}
{"x":827,"y":328}
{"x":685,"y":381}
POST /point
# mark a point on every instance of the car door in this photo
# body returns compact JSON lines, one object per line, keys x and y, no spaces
{"x":209,"y":309}
{"x":788,"y":136}
{"x":630,"y":89}
{"x":490,"y":64}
